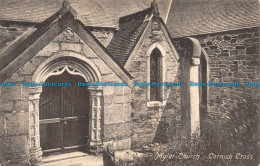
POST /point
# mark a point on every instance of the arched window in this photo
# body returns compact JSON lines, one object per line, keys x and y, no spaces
{"x":155,"y":74}
{"x":203,"y":91}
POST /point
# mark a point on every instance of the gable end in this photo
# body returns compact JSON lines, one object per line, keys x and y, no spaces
{"x":13,"y":60}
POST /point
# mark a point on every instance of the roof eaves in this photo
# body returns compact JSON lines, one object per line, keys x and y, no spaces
{"x":214,"y":32}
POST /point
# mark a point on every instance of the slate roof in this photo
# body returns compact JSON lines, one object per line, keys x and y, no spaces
{"x":96,"y":13}
{"x":186,"y":17}
{"x":130,"y":30}
{"x":196,"y":17}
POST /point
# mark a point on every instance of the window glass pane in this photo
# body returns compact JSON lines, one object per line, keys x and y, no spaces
{"x":155,"y":75}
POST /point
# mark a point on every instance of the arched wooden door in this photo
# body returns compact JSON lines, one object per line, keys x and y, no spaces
{"x":64,"y":114}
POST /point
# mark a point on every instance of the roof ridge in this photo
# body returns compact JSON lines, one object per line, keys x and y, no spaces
{"x":134,"y":15}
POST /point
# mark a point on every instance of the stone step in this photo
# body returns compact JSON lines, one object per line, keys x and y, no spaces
{"x":72,"y":159}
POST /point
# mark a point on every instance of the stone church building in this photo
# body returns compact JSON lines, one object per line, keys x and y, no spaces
{"x":45,"y":51}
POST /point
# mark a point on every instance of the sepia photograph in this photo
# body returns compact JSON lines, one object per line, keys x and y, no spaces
{"x":129,"y":83}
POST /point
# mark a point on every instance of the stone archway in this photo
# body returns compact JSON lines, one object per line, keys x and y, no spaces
{"x":74,"y":66}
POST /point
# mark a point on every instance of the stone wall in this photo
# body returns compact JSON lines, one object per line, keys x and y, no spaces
{"x":151,"y":124}
{"x":233,"y":57}
{"x":117,"y":122}
{"x":128,"y":120}
{"x":14,"y":122}
{"x":14,"y":105}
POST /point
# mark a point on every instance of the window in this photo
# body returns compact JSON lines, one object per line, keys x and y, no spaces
{"x":155,"y":74}
{"x":203,"y":89}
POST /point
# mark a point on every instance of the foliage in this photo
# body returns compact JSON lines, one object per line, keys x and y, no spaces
{"x":242,"y":125}
{"x":237,"y":134}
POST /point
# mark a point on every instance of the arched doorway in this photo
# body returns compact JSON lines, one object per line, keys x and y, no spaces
{"x":64,"y":114}
{"x":72,"y":69}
